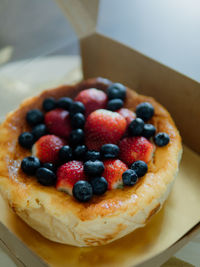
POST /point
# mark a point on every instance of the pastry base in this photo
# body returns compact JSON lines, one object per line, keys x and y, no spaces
{"x":58,"y":216}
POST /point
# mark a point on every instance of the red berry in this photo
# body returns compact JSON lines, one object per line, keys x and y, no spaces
{"x":58,"y":122}
{"x":113,"y":173}
{"x":68,"y":174}
{"x":47,"y":148}
{"x":135,"y":148}
{"x":103,"y":127}
{"x":92,"y":99}
{"x":127,"y":114}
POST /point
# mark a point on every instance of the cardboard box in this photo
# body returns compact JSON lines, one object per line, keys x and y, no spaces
{"x":179,"y":220}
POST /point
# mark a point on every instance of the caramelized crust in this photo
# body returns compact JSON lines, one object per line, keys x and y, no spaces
{"x":59,"y":216}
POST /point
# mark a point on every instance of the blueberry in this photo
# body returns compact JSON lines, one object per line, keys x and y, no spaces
{"x":76,"y":137}
{"x":148,"y":131}
{"x":78,"y":120}
{"x":26,"y":140}
{"x":99,"y":185}
{"x":161,"y":139}
{"x":34,"y":117}
{"x":93,"y":168}
{"x":109,"y":151}
{"x":79,"y":152}
{"x":39,"y":130}
{"x":92,"y":155}
{"x":30,"y":164}
{"x":45,"y":176}
{"x":49,"y":104}
{"x":116,"y":90}
{"x":77,"y":107}
{"x":65,"y":153}
{"x":140,"y":167}
{"x":136,"y":127}
{"x":115,"y":104}
{"x":64,"y":102}
{"x":129,"y":177}
{"x":82,"y":191}
{"x":49,"y":166}
{"x":145,"y":111}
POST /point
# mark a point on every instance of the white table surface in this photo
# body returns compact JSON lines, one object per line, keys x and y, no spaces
{"x":33,"y":77}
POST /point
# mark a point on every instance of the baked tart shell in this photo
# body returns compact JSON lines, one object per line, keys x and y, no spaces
{"x":57,"y":215}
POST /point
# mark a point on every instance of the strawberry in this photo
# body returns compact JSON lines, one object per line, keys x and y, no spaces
{"x":135,"y":148}
{"x":68,"y":174}
{"x":92,"y":99}
{"x":58,"y":122}
{"x":47,"y":148}
{"x":127,"y":114}
{"x":113,"y":171}
{"x":103,"y":127}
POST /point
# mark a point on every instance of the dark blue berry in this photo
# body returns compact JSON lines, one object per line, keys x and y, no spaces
{"x":149,"y":130}
{"x":26,"y":140}
{"x":49,"y":104}
{"x":34,"y":117}
{"x":93,"y":168}
{"x":79,"y":152}
{"x":109,"y":151}
{"x":129,"y":177}
{"x":145,"y":111}
{"x":116,"y":90}
{"x":136,"y":127}
{"x":92,"y":155}
{"x":82,"y":191}
{"x":65,"y":103}
{"x":115,"y":104}
{"x":140,"y":167}
{"x":76,"y":107}
{"x":45,"y":176}
{"x":76,"y":137}
{"x":49,"y":166}
{"x":30,"y":164}
{"x":78,"y":120}
{"x":39,"y":130}
{"x":161,"y":139}
{"x":99,"y":185}
{"x":65,"y":154}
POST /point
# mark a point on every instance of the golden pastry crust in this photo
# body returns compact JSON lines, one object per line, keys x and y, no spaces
{"x":59,"y":216}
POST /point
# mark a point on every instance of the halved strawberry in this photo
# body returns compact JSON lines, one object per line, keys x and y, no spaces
{"x":127,"y":114}
{"x":103,"y":127}
{"x":47,"y":148}
{"x":113,"y":173}
{"x":58,"y":122}
{"x":135,"y":148}
{"x":92,"y":99}
{"x":68,"y":174}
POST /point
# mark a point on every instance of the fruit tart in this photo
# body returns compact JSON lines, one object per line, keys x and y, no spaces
{"x":87,"y":164}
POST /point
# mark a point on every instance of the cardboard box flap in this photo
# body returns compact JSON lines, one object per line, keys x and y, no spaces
{"x":82,"y":14}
